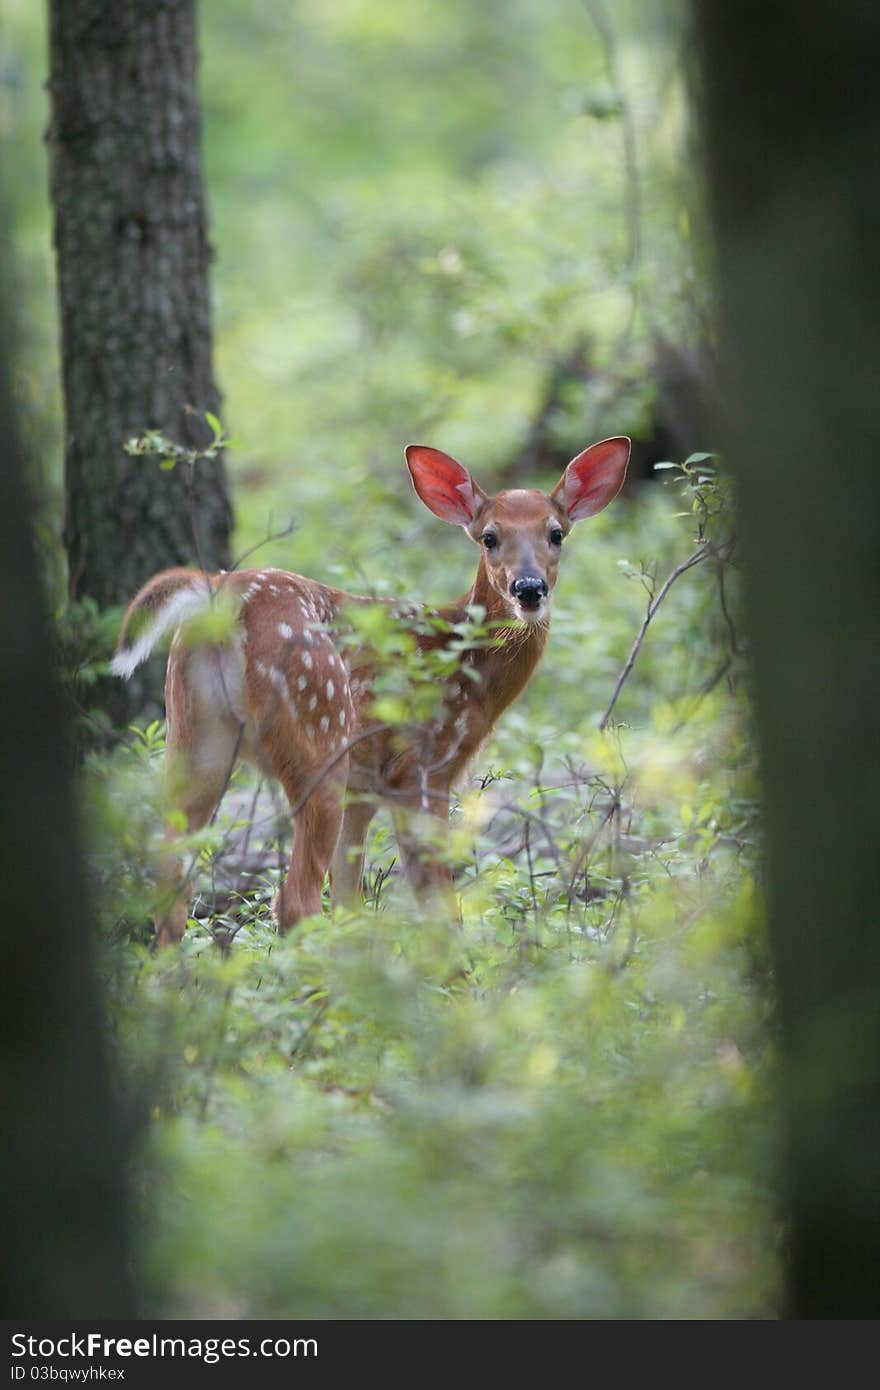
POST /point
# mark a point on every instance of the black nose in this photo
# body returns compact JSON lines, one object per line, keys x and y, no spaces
{"x":529,"y":590}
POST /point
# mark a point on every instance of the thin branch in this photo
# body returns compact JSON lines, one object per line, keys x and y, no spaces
{"x":655,"y":603}
{"x":527,"y":845}
{"x":270,"y":536}
{"x":328,"y":766}
{"x":722,"y":599}
{"x":708,"y":685}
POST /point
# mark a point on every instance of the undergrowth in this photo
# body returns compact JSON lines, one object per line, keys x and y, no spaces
{"x":556,"y":1109}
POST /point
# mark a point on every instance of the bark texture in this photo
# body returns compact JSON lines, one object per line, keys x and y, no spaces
{"x":66,"y":1250}
{"x":133,"y":259}
{"x":793,"y":128}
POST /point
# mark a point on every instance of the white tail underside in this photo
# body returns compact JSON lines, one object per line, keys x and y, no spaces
{"x":183,"y":605}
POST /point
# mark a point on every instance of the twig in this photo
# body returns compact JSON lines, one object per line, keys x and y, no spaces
{"x":527,"y":845}
{"x":708,"y":685}
{"x":640,"y":636}
{"x":722,"y":599}
{"x":270,"y":536}
{"x":328,"y":766}
{"x":581,"y":864}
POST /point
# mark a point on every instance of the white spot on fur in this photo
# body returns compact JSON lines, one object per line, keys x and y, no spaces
{"x":307,"y":660}
{"x":302,"y":682}
{"x":286,"y":631}
{"x":313,"y":701}
{"x":325,"y":723}
{"x":331,"y":690}
{"x":342,"y":717}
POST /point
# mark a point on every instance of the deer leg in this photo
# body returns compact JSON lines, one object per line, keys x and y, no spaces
{"x":423,"y":839}
{"x":172,"y":893}
{"x":198,"y":772}
{"x":347,"y":868}
{"x":316,"y":829}
{"x":201,"y":748}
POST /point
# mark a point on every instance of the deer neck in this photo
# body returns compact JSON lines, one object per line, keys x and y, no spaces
{"x":504,"y":667}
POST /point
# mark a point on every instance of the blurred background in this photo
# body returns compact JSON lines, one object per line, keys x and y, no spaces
{"x":479,"y":226}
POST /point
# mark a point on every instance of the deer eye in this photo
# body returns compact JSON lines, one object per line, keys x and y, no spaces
{"x":557,"y":536}
{"x":489,"y":539}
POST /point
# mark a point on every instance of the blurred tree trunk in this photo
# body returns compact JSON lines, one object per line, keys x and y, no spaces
{"x":133,"y":259}
{"x":793,"y":127}
{"x":66,"y":1245}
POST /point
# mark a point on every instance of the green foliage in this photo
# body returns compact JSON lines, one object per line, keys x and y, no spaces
{"x":153,"y":442}
{"x":84,"y":639}
{"x":346,"y":1133}
{"x":85,"y":636}
{"x":408,"y":688}
{"x":558,"y":1109}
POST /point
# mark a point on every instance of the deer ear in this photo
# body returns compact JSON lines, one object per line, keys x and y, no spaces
{"x":593,"y":478}
{"x":447,"y":489}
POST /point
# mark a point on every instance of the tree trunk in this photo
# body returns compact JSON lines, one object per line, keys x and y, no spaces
{"x":66,"y":1247}
{"x":133,"y":257}
{"x":793,"y":127}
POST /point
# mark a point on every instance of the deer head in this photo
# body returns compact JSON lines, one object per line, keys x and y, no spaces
{"x":520,"y":530}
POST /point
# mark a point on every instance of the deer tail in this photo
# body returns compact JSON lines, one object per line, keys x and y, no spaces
{"x":165,"y":601}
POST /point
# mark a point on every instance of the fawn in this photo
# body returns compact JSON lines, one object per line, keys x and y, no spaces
{"x":282,"y":690}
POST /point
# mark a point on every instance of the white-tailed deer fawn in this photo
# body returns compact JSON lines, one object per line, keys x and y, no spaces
{"x":282,"y":689}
